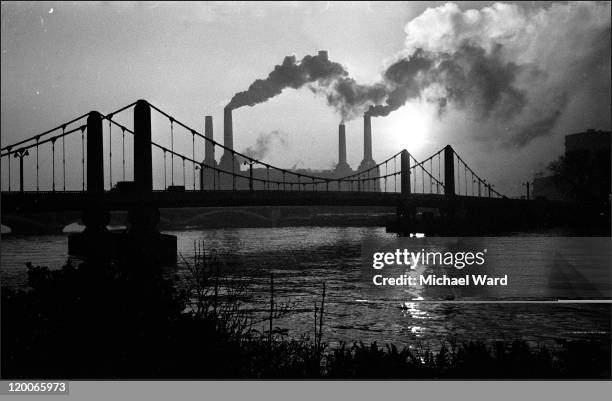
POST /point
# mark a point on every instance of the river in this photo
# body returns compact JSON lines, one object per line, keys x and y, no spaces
{"x":301,"y":259}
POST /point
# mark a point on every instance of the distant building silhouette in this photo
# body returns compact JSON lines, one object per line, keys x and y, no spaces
{"x":591,"y":141}
{"x":211,"y":179}
{"x":582,"y":173}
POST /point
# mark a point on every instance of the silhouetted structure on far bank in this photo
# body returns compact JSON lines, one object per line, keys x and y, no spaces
{"x":582,"y":173}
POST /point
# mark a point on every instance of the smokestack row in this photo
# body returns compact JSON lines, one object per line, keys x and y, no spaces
{"x":342,"y":168}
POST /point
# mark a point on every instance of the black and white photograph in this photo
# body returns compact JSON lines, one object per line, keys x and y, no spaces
{"x":398,"y":191}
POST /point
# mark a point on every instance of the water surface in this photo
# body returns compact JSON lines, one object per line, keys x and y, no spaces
{"x":301,"y":259}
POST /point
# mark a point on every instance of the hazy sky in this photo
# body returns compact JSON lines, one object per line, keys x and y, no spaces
{"x":60,"y":60}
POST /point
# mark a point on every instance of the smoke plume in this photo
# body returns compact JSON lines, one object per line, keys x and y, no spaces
{"x":350,"y":98}
{"x":264,"y":144}
{"x":506,"y":65}
{"x":290,"y":74}
{"x":520,"y":67}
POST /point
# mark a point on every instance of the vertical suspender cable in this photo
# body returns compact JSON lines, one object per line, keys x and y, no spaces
{"x":172,"y":149}
{"x":37,"y":186}
{"x":123,"y":150}
{"x":83,"y":157}
{"x":193,"y":158}
{"x":64,"y":156}
{"x":110,"y":153}
{"x":165,"y":173}
{"x":52,"y":161}
{"x":9,"y":167}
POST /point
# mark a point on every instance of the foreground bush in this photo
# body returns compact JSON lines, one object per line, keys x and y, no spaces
{"x":107,"y":321}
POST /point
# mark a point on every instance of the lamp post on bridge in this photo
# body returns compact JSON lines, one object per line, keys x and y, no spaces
{"x":526,"y":185}
{"x":21,"y":153}
{"x":489,"y":186}
{"x":250,"y":164}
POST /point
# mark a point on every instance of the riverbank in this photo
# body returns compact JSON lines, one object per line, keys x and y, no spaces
{"x":109,"y":321}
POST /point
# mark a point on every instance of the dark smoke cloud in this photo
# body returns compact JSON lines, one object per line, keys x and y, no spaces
{"x":503,"y":65}
{"x":469,"y":79}
{"x":515,"y":72}
{"x":290,"y":74}
{"x":350,"y":98}
{"x":264,"y":144}
{"x":402,"y":79}
{"x":540,"y":126}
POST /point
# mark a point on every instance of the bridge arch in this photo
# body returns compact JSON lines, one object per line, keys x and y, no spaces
{"x":229,"y":217}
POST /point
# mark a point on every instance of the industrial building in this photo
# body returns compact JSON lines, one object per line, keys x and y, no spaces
{"x":211,"y":178}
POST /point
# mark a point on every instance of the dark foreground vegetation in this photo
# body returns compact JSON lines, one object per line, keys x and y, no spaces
{"x":111,"y":321}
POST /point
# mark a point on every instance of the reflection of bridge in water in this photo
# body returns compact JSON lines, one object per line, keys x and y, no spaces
{"x":443,"y":181}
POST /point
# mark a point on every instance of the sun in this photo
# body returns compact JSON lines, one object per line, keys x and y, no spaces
{"x":408,"y":127}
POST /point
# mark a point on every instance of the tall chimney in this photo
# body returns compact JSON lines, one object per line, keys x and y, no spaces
{"x":368,"y":164}
{"x":228,"y":134}
{"x":367,"y":137}
{"x":209,"y":147}
{"x":207,"y":175}
{"x":341,"y":144}
{"x":342,"y":168}
{"x":367,"y":161}
{"x":228,"y":142}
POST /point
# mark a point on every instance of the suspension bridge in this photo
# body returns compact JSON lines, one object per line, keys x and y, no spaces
{"x":89,"y":170}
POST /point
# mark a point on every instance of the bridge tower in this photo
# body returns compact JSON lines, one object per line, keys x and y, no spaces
{"x":95,"y":155}
{"x":93,"y":241}
{"x":449,"y":171}
{"x":143,"y":168}
{"x":143,"y":218}
{"x":405,"y":176}
{"x":406,"y":212}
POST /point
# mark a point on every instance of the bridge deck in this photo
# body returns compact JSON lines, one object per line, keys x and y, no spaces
{"x":73,"y":201}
